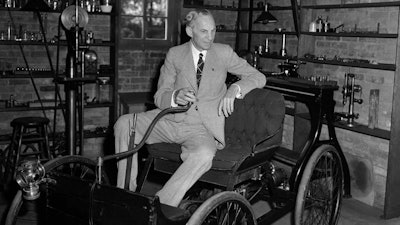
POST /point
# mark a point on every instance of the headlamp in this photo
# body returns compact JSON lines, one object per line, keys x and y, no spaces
{"x":29,"y":175}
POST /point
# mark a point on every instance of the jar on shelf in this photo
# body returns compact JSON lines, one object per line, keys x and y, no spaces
{"x":103,"y":90}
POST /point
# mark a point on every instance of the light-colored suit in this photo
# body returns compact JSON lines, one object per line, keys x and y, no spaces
{"x":178,"y":72}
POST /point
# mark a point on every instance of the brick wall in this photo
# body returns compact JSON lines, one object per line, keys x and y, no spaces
{"x":139,"y":70}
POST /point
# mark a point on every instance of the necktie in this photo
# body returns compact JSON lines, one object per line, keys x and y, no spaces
{"x":200,"y":65}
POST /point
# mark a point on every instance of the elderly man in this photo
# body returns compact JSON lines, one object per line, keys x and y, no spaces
{"x":195,"y":73}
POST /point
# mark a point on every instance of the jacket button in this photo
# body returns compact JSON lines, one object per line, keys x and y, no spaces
{"x":196,"y":108}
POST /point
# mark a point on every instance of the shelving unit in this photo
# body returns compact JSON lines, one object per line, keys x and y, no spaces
{"x":108,"y":45}
{"x":307,"y":39}
{"x":392,"y":194}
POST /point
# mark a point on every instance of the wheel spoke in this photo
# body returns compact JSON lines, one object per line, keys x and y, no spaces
{"x":320,"y":200}
{"x":225,"y":208}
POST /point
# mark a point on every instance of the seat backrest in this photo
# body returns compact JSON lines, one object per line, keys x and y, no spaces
{"x":258,"y":115}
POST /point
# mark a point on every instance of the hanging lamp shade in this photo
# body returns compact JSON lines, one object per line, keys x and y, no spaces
{"x":36,"y":5}
{"x":266,"y":17}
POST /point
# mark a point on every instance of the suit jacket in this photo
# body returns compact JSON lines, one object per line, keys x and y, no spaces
{"x":178,"y":72}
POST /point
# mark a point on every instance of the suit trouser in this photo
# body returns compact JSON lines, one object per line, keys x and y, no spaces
{"x":197,"y":144}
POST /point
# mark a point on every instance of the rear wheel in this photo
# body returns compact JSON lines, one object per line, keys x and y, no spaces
{"x":226,"y":208}
{"x":320,"y":190}
{"x":22,"y":211}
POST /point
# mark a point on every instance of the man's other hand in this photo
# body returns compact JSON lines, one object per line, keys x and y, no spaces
{"x":227,"y":102}
{"x":184,"y":95}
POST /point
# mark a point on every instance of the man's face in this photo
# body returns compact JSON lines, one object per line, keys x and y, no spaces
{"x":202,"y":32}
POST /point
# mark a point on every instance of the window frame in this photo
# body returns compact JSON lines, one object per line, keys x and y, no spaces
{"x":173,"y":13}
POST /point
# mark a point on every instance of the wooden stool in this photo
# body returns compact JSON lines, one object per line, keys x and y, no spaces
{"x":29,"y":139}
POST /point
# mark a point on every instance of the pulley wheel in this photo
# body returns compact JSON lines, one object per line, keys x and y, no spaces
{"x":68,"y":17}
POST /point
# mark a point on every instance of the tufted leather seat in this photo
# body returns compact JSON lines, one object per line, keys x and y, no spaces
{"x":252,"y":133}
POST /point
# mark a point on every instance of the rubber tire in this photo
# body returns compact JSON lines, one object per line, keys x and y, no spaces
{"x":49,"y":166}
{"x":219,"y":200}
{"x":304,"y":191}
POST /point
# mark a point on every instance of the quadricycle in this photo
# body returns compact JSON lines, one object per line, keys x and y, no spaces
{"x":254,"y":167}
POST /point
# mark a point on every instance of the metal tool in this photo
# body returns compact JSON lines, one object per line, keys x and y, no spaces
{"x":348,"y":91}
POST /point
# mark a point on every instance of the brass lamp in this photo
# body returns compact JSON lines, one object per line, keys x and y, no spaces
{"x":266,"y":16}
{"x":29,"y":175}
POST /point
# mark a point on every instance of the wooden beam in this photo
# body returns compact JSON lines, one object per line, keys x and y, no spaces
{"x":392,"y":195}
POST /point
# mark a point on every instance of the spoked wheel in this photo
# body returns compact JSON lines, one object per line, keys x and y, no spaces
{"x":22,"y":211}
{"x":225,"y":208}
{"x":320,"y":191}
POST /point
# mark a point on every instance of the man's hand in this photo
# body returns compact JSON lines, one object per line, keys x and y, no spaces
{"x":184,"y":96}
{"x":227,"y":102}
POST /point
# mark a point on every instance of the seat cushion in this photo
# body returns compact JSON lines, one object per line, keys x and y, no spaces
{"x":225,"y":159}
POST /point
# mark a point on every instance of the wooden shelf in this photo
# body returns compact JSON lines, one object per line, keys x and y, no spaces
{"x":22,"y":109}
{"x":276,"y":56}
{"x":381,"y":66}
{"x":44,"y":74}
{"x":226,"y":31}
{"x":379,"y":133}
{"x":54,"y":11}
{"x":352,"y":34}
{"x":268,"y":32}
{"x":99,"y":105}
{"x":354,"y":5}
{"x":62,"y":43}
{"x":358,"y":128}
{"x":35,"y":74}
{"x":212,"y":7}
{"x":272,"y":8}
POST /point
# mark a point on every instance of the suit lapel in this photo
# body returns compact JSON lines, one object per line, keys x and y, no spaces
{"x":190,"y":71}
{"x":208,"y":66}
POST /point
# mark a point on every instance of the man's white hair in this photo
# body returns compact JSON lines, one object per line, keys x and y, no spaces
{"x":192,"y":16}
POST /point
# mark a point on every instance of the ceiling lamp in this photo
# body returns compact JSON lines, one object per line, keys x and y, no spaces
{"x":266,"y":17}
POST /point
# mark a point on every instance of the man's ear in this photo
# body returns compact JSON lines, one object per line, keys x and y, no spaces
{"x":189,"y":31}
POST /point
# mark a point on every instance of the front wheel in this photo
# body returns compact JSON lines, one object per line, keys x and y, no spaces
{"x":22,"y":211}
{"x":320,"y":190}
{"x":225,"y":208}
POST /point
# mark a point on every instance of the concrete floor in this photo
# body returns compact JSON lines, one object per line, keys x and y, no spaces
{"x":353,"y":213}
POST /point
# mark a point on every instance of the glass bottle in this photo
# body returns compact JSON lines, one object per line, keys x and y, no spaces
{"x":319,"y":24}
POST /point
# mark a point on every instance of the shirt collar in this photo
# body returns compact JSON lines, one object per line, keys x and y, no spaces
{"x":196,"y":52}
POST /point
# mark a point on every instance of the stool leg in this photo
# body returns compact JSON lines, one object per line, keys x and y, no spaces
{"x":17,"y":152}
{"x":41,"y":148}
{"x":44,"y":143}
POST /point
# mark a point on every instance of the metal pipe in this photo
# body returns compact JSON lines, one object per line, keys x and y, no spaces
{"x":351,"y":103}
{"x":70,"y":98}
